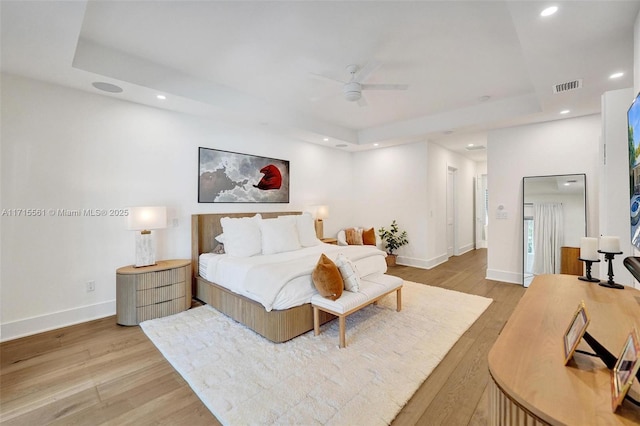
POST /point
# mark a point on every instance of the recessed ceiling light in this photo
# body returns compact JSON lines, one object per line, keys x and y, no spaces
{"x":470,"y":144}
{"x":326,"y":139}
{"x":161,"y":97}
{"x":106,"y":87}
{"x":549,"y":11}
{"x":565,"y":111}
{"x":616,"y":75}
{"x":376,"y":144}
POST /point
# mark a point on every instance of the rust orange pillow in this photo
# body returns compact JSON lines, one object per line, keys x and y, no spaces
{"x":327,"y":279}
{"x":369,"y":237}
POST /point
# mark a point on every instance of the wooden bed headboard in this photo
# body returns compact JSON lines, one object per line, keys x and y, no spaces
{"x":205,"y":227}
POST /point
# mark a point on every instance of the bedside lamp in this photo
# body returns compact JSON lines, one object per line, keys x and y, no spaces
{"x":144,"y":219}
{"x":322,"y":212}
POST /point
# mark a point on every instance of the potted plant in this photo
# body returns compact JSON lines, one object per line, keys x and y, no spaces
{"x":393,"y":239}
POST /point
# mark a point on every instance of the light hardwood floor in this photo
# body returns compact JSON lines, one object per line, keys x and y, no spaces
{"x":101,"y":373}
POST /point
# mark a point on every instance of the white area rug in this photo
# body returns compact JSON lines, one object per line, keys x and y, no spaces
{"x":245,"y":379}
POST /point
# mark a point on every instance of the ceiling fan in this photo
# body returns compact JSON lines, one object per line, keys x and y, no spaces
{"x":352,"y":89}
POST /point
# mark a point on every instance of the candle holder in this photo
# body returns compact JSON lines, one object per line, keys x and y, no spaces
{"x":608,"y":256}
{"x":588,"y":276}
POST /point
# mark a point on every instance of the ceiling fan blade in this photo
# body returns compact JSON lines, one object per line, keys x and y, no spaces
{"x":384,"y":86}
{"x":362,"y":102}
{"x":366,"y":71}
{"x":326,"y":78}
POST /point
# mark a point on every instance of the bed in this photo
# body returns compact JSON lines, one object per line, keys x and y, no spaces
{"x":278,"y":318}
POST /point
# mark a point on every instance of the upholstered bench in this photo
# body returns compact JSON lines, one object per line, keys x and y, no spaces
{"x":372,"y":289}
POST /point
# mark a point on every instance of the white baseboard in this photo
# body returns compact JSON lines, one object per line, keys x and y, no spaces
{"x":421,"y":263}
{"x":34,"y":325}
{"x":504,"y":276}
{"x":464,"y":249}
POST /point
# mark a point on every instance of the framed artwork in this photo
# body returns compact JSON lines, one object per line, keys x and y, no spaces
{"x":231,"y":177}
{"x":625,"y":370}
{"x":575,"y":331}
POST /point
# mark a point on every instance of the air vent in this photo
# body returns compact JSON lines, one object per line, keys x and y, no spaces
{"x":475,"y":148}
{"x":568,"y":86}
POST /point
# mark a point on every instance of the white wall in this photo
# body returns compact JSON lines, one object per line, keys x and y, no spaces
{"x":408,"y":183}
{"x":391,"y":183}
{"x":67,"y":149}
{"x":559,"y":147}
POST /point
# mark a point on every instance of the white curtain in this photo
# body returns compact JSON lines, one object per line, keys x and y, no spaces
{"x":547,"y":237}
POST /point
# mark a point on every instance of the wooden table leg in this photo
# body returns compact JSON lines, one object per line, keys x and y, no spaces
{"x":316,"y":321}
{"x":342,"y":331}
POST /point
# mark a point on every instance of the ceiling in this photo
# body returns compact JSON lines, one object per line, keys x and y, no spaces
{"x":470,"y":66}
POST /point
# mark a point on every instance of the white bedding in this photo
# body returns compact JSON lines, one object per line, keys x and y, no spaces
{"x":283,"y":280}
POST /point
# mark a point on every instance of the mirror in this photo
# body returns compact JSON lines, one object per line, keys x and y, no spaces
{"x":554,"y":220}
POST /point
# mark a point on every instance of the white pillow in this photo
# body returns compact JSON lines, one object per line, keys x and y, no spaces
{"x":306,"y":230}
{"x":279,"y":235}
{"x":219,"y":238}
{"x":242,"y":236}
{"x":349,"y":273}
{"x":342,"y":238}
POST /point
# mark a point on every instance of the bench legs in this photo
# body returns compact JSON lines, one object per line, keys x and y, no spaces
{"x":343,"y":326}
{"x":342,"y":318}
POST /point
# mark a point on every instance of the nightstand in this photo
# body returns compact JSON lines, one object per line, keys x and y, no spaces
{"x":152,"y":291}
{"x":329,"y":240}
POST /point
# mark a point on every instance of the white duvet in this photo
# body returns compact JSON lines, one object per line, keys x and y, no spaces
{"x":283,"y":280}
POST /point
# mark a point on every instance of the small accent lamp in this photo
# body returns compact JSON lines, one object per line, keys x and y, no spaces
{"x":322,"y":212}
{"x":144,"y":219}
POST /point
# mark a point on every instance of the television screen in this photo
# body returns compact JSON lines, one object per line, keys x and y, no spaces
{"x":633,"y":120}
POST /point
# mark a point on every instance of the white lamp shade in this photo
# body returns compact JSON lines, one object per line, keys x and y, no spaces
{"x":322,"y":212}
{"x":146,"y":218}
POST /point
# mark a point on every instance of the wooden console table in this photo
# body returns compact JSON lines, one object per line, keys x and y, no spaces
{"x":531,"y":385}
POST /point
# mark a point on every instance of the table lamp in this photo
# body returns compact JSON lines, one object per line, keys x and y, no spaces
{"x":144,"y":219}
{"x":322,"y":212}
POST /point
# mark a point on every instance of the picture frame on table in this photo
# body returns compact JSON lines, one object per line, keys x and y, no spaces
{"x":575,"y":331}
{"x":625,"y":370}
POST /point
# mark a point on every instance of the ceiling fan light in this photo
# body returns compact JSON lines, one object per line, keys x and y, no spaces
{"x":352,"y":96}
{"x":352,"y":91}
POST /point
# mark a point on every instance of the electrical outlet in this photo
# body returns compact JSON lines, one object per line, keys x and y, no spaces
{"x":91,"y":286}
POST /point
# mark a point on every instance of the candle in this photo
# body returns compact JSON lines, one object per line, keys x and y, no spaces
{"x":610,"y":244}
{"x":589,"y":248}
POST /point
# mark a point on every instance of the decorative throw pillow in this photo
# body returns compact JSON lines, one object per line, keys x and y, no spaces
{"x":327,"y":279}
{"x":369,"y":237}
{"x":306,"y":230}
{"x":242,"y":237}
{"x":349,"y":273}
{"x":279,"y":235}
{"x":354,"y":236}
{"x":219,"y":249}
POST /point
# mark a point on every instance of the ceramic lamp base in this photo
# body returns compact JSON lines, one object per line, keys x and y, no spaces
{"x":145,"y":254}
